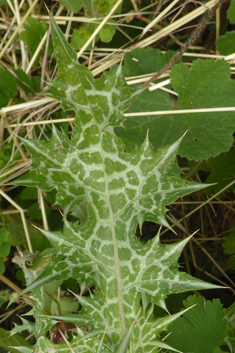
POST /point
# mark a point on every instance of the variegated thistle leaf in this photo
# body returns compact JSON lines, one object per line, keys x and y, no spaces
{"x":121,"y":191}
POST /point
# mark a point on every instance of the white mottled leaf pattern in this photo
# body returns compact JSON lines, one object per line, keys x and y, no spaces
{"x":121,"y":191}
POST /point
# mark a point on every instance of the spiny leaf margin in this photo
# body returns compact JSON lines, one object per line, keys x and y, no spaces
{"x":121,"y":190}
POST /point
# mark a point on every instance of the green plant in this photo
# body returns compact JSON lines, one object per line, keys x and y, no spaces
{"x":5,"y":243}
{"x":113,"y":170}
{"x":121,"y":190}
{"x":204,"y":326}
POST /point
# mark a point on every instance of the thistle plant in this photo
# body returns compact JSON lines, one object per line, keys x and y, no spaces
{"x":120,"y":191}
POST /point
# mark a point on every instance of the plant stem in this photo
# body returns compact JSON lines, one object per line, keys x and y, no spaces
{"x":193,"y":170}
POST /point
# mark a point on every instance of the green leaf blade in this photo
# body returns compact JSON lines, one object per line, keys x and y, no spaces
{"x":121,"y":190}
{"x":204,"y":323}
{"x":206,"y":84}
{"x":73,"y":5}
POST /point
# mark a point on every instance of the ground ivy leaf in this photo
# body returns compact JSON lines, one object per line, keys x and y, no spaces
{"x":230,"y":337}
{"x":81,"y":35}
{"x":206,"y":85}
{"x":145,"y":61}
{"x":73,"y":5}
{"x":107,"y":31}
{"x":121,"y":190}
{"x":225,"y":44}
{"x":204,"y":325}
{"x":231,"y":12}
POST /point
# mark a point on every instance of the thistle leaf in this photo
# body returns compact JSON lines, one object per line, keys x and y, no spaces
{"x":121,"y":190}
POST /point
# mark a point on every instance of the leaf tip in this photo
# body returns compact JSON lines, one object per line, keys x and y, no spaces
{"x":47,"y":9}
